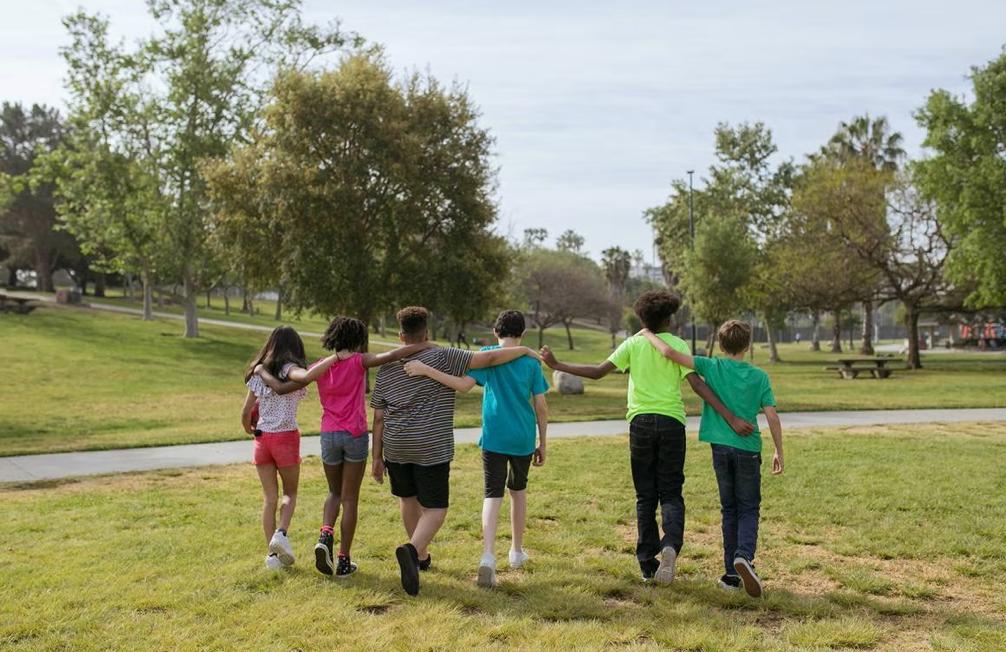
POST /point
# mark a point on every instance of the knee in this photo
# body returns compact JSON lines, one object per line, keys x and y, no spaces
{"x":270,"y":502}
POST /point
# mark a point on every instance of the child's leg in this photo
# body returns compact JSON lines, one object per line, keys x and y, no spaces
{"x":333,"y":475}
{"x":411,"y":511}
{"x":494,"y":479}
{"x":291,"y":478}
{"x":429,"y":524}
{"x":270,"y":498}
{"x":352,"y":477}
{"x":747,"y":490}
{"x":671,"y":480}
{"x":517,"y":483}
{"x":723,"y":465}
{"x":643,"y":461}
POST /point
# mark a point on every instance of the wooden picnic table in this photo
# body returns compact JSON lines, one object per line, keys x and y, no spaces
{"x":849,"y":368}
{"x":19,"y":305}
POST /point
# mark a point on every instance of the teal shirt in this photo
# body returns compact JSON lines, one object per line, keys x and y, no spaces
{"x":508,"y":420}
{"x":744,"y":389}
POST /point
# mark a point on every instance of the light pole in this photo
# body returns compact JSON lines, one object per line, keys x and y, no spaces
{"x":691,"y":233}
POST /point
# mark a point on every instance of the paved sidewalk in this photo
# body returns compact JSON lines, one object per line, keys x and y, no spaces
{"x":30,"y":468}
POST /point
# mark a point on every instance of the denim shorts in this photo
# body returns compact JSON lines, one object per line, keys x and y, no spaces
{"x":339,"y":447}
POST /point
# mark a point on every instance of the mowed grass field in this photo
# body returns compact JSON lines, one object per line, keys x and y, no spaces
{"x":874,"y":539}
{"x":79,"y":379}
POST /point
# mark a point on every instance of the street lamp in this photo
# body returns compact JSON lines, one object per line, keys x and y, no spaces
{"x":691,"y":233}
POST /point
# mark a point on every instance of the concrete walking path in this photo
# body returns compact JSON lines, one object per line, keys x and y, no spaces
{"x":32,"y":468}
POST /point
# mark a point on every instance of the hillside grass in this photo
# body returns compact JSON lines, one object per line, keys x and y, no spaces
{"x":874,"y":539}
{"x":80,"y":379}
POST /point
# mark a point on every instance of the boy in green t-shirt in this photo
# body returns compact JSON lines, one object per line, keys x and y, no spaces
{"x":656,"y":418}
{"x":746,"y":391}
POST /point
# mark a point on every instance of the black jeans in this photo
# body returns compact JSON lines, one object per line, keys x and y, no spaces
{"x":657,"y":455}
{"x":738,"y":473}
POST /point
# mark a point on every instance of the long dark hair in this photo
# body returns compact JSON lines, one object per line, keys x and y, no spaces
{"x":346,"y":333}
{"x":283,"y":346}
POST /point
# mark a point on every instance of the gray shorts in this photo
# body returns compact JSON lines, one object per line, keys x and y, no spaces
{"x":339,"y":447}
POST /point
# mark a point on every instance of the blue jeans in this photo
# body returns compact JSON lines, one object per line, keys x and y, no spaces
{"x":738,"y":473}
{"x":657,"y":456}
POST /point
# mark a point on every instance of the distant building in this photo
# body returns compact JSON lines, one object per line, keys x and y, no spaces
{"x":650,"y":272}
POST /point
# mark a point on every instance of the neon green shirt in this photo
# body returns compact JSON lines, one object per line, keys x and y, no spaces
{"x":744,"y":389}
{"x":654,"y":381}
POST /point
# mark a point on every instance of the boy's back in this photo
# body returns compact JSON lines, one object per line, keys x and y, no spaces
{"x":418,"y":411}
{"x":744,"y":389}
{"x":508,"y":419}
{"x":654,"y":381}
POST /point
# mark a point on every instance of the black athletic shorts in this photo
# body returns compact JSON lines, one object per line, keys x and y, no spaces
{"x":430,"y":485}
{"x":494,"y":467}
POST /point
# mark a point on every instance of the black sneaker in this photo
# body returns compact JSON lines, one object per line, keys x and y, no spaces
{"x":649,"y":569}
{"x":323,"y":554}
{"x":424,"y":564}
{"x":408,"y":563}
{"x":730,"y":582}
{"x":345,"y":567}
{"x":749,"y":578}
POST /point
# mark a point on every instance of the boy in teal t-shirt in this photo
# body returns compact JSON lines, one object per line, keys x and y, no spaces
{"x":745,"y":390}
{"x":513,"y":403}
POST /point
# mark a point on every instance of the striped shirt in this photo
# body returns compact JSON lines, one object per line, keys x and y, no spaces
{"x":419,"y":411}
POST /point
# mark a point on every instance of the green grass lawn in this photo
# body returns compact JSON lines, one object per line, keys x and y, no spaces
{"x":874,"y":539}
{"x":83,"y":379}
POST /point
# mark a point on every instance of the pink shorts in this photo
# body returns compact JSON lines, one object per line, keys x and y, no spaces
{"x":278,"y":448}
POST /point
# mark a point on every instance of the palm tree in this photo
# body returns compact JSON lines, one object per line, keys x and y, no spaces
{"x":871,"y":140}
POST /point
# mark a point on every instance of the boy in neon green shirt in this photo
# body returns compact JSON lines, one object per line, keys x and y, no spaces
{"x":736,"y":458}
{"x":656,"y":418}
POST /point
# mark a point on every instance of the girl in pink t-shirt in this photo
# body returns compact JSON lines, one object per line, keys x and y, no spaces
{"x":342,"y":384}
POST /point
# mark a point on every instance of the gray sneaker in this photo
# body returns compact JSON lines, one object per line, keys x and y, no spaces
{"x":665,"y":572}
{"x":749,"y":578}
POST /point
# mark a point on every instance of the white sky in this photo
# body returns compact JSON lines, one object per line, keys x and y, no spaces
{"x":597,"y":106}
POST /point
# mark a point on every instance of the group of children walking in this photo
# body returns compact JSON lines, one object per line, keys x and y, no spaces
{"x":413,"y":435}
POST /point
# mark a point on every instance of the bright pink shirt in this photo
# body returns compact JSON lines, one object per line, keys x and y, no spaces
{"x":341,"y":390}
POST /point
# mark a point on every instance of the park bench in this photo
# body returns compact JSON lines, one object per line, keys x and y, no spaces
{"x":849,"y":368}
{"x":17,"y":305}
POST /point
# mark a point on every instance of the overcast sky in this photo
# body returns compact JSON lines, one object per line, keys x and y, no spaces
{"x":597,"y":106}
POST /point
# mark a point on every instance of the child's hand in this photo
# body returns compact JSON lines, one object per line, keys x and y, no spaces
{"x":777,"y":466}
{"x":377,"y":470}
{"x":258,"y":370}
{"x":416,"y":368}
{"x":643,"y":331}
{"x":741,"y":427}
{"x":539,"y":456}
{"x":531,"y":353}
{"x":548,"y":357}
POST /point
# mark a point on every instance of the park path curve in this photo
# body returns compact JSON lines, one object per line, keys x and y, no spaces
{"x":52,"y":466}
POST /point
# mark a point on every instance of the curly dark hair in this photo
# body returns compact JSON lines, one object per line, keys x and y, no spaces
{"x":412,"y":320}
{"x":654,"y":308}
{"x":510,"y":323}
{"x":345,"y":334}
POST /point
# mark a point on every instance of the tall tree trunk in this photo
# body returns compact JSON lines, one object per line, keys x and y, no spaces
{"x":815,"y":333}
{"x":541,"y":337}
{"x":227,"y":302}
{"x":836,"y":334}
{"x":867,"y":347}
{"x":148,"y":308}
{"x":279,"y":303}
{"x":914,"y":360}
{"x":191,"y":316}
{"x":569,"y":333}
{"x":43,"y":271}
{"x":11,"y":276}
{"x":245,"y":303}
{"x":100,"y":281}
{"x":711,"y":341}
{"x":773,"y":351}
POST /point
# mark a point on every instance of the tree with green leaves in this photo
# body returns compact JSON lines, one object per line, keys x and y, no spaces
{"x":534,"y":238}
{"x":871,"y":141}
{"x":560,"y":287}
{"x":28,"y":223}
{"x":362,"y":193}
{"x":201,"y":78}
{"x":571,"y":241}
{"x":966,"y":176}
{"x":616,"y":263}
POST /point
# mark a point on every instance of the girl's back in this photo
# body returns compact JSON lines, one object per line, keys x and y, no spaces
{"x":341,"y":390}
{"x":277,"y":412}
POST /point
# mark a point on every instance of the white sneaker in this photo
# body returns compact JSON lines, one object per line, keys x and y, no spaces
{"x":517,"y":558}
{"x":273,"y":563}
{"x":487,"y":571}
{"x":665,"y":572}
{"x":280,"y":546}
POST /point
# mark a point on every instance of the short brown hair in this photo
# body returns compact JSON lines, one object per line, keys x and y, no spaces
{"x":654,"y":308}
{"x":734,"y":336}
{"x":412,"y":319}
